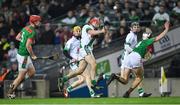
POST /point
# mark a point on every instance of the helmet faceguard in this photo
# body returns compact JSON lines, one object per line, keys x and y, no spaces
{"x":134,"y":26}
{"x":147,"y":33}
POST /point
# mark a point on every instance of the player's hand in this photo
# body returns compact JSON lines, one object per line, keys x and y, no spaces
{"x":103,"y":30}
{"x":34,"y":57}
{"x":166,"y":25}
{"x":74,"y":60}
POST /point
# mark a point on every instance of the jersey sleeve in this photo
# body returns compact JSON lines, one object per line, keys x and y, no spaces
{"x":87,"y":29}
{"x":67,"y":46}
{"x":150,"y":41}
{"x":129,"y":39}
{"x":66,"y":49}
{"x":32,"y":35}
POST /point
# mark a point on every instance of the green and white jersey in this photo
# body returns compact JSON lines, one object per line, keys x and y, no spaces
{"x":141,"y":47}
{"x":73,"y":46}
{"x":26,"y":33}
{"x":86,"y":39}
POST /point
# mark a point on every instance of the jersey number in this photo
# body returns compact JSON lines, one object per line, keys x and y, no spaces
{"x":22,"y":37}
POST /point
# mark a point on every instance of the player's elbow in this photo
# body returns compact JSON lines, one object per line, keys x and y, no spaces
{"x":81,"y":80}
{"x":128,"y":48}
{"x":18,"y":38}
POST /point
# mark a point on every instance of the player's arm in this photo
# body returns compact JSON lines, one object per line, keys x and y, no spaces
{"x":66,"y":53}
{"x":18,"y":37}
{"x":29,"y":48}
{"x":95,"y":32}
{"x":166,"y":25}
{"x":128,"y":44}
{"x":66,"y":49}
{"x":128,"y":48}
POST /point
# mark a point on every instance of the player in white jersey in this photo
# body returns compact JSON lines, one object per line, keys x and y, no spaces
{"x":89,"y":31}
{"x":71,"y":51}
{"x":87,"y":39}
{"x":130,"y":43}
{"x":133,"y":63}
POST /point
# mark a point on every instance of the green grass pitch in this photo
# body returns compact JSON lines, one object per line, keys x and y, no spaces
{"x":94,"y":101}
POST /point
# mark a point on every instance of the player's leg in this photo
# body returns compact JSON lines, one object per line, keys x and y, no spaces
{"x":22,"y":67}
{"x":139,"y":74}
{"x":101,"y":77}
{"x":80,"y":81}
{"x":31,"y":72}
{"x":79,"y":71}
{"x":87,"y":76}
{"x":141,"y":90}
{"x":122,"y":70}
{"x":17,"y":81}
{"x":92,"y":62}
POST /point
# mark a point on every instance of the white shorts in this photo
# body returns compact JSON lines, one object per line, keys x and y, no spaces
{"x":24,"y":62}
{"x":73,"y":65}
{"x":85,"y":51}
{"x":133,"y":60}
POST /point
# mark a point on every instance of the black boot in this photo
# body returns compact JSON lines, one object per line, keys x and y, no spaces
{"x":112,"y":77}
{"x":126,"y":95}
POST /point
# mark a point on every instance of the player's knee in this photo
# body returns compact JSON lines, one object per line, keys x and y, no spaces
{"x":139,"y":79}
{"x":31,"y":74}
{"x":93,"y":65}
{"x":80,"y":71}
{"x":81,"y":80}
{"x":125,"y":81}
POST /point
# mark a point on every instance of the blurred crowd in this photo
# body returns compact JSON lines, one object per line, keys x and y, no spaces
{"x":59,"y":16}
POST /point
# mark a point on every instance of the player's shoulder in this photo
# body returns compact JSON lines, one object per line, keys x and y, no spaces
{"x":87,"y":26}
{"x":129,"y":35}
{"x":72,"y":40}
{"x":28,"y":29}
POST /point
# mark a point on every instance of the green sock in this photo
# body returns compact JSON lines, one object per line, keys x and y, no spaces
{"x":69,"y":89}
{"x":106,"y":76}
{"x":93,"y":82}
{"x":141,"y":91}
{"x":91,"y":92}
{"x":65,"y":78}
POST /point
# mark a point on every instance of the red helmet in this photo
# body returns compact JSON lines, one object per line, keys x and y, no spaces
{"x":34,"y":18}
{"x":94,"y":20}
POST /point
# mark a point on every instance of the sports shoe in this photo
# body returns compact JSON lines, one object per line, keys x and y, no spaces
{"x":96,"y":95}
{"x":126,"y":95}
{"x":146,"y":95}
{"x":97,"y":87}
{"x":112,"y":77}
{"x":100,"y":77}
{"x":11,"y":93}
{"x":66,"y":94}
{"x":60,"y":84}
{"x":11,"y":96}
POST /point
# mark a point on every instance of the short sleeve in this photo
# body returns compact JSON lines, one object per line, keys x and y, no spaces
{"x":150,"y":41}
{"x":67,"y":45}
{"x":129,"y":39}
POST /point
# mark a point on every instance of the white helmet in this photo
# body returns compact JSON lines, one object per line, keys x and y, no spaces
{"x":147,"y":33}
